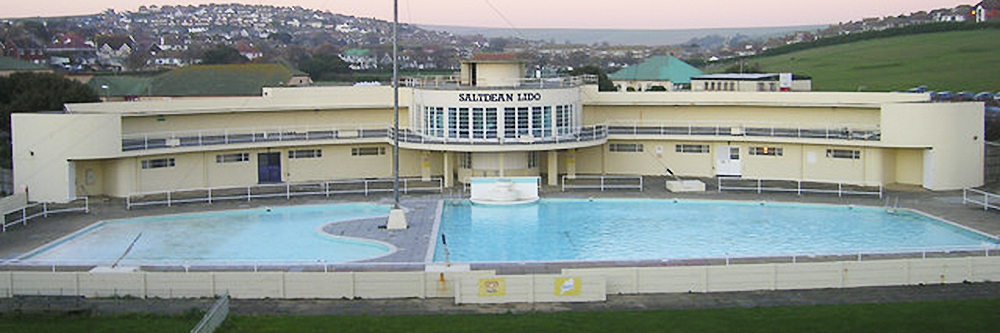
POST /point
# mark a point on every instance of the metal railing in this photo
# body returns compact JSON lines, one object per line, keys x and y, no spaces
{"x":989,"y":200}
{"x":214,"y":317}
{"x":211,"y":137}
{"x":783,"y":130}
{"x":777,"y":185}
{"x":484,"y":137}
{"x":43,"y":209}
{"x":451,"y":82}
{"x":286,"y":190}
{"x":602,"y":182}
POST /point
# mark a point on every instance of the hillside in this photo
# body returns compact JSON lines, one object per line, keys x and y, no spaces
{"x":955,"y":61}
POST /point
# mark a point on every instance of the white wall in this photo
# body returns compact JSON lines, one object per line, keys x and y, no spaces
{"x":955,"y":133}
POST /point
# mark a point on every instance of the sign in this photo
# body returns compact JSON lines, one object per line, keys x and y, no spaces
{"x":492,"y":287}
{"x":499,"y":97}
{"x":570,"y":286}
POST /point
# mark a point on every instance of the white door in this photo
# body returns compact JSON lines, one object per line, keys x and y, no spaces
{"x":727,"y":161}
{"x":929,"y":169}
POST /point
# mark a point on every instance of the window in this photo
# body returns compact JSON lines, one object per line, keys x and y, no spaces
{"x":232,"y":158}
{"x":465,"y":160}
{"x":691,"y":149}
{"x":766,"y":151}
{"x":367,"y":151}
{"x":626,"y":147}
{"x":158,"y":163}
{"x":844,"y":153}
{"x":509,"y":123}
{"x":532,"y":159}
{"x":307,"y":153}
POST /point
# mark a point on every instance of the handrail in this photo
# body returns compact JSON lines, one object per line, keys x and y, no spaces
{"x":491,"y":137}
{"x":25,"y":216}
{"x":223,"y":136}
{"x":452,"y":82}
{"x":759,"y":186}
{"x":286,"y":190}
{"x":986,"y":203}
{"x":603,"y":184}
{"x":847,"y":131}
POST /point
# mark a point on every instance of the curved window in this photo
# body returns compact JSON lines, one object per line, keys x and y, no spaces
{"x":493,"y":123}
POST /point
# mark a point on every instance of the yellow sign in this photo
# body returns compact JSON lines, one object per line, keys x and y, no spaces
{"x":492,"y":287}
{"x":568,"y":286}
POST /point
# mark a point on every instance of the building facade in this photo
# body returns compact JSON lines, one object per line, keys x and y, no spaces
{"x":491,"y":121}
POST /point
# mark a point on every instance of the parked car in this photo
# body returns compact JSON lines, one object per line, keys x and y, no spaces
{"x":965,"y":96}
{"x":942,"y":96}
{"x":918,"y":90}
{"x":984,"y":96}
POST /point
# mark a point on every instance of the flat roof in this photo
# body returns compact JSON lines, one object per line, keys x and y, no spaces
{"x":747,"y":76}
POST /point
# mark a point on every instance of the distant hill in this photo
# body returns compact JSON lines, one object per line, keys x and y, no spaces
{"x":620,"y":37}
{"x":954,"y":61}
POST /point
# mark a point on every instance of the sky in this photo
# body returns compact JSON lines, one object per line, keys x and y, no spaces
{"x":524,"y":14}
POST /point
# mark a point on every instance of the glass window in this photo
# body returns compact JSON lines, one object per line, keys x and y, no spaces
{"x":734,"y":153}
{"x":766,"y":151}
{"x":547,"y":121}
{"x":510,"y":122}
{"x":452,"y":122}
{"x":159,"y":163}
{"x":537,"y":122}
{"x":522,"y":121}
{"x":691,"y":149}
{"x":463,"y":123}
{"x":465,"y":160}
{"x":844,"y":153}
{"x":532,"y":159}
{"x":367,"y":151}
{"x":625,"y":147}
{"x":491,"y":123}
{"x":305,"y":153}
{"x":478,"y":123}
{"x":232,"y":158}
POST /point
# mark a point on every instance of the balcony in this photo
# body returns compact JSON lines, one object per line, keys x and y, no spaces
{"x":854,"y":132}
{"x":456,"y":83}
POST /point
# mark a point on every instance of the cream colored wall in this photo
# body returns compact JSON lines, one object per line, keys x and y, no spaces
{"x":834,"y":170}
{"x":188,"y":173}
{"x":954,"y":132}
{"x":588,"y":160}
{"x":43,"y":145}
{"x":832,"y":99}
{"x":120,"y":176}
{"x":89,"y":178}
{"x":909,"y":166}
{"x":787,"y":166}
{"x":498,"y":74}
{"x":341,"y":119}
{"x":830,"y":116}
{"x":234,"y":173}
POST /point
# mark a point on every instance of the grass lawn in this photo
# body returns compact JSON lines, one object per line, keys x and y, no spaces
{"x":138,"y":323}
{"x":954,"y":61}
{"x":939,"y":316}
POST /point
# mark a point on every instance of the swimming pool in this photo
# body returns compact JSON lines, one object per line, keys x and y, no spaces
{"x":262,"y":235}
{"x":597,"y":230}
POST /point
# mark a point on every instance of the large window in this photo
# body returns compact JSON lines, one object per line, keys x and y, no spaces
{"x":158,"y":163}
{"x":691,"y":149}
{"x":509,"y":122}
{"x":766,"y":151}
{"x":625,"y":147}
{"x":490,"y":123}
{"x":465,"y":160}
{"x":367,"y":151}
{"x":305,"y":153}
{"x":232,"y":158}
{"x":844,"y":153}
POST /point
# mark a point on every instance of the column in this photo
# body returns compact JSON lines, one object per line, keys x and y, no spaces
{"x":425,"y":166}
{"x":501,"y":162}
{"x":571,"y":163}
{"x":553,"y":168}
{"x":449,"y":170}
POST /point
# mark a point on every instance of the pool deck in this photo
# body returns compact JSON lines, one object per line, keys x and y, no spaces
{"x":421,"y":211}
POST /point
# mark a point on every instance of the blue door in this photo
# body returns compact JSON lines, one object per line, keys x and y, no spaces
{"x":269,"y":167}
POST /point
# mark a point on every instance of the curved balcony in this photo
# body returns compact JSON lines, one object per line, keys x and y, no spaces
{"x":859,"y":132}
{"x":583,"y":136}
{"x":456,"y":83}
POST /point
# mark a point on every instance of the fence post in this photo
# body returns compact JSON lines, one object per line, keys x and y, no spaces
{"x":24,"y":216}
{"x":249,"y":194}
{"x":602,"y":183}
{"x":128,"y":202}
{"x":406,"y":186}
{"x":86,"y":205}
{"x":800,"y":188}
{"x":840,"y":189}
{"x":168,"y":198}
{"x":758,"y":186}
{"x":45,"y":209}
{"x":986,"y":201}
{"x":288,"y":191}
{"x":965,"y":196}
{"x":210,"y":195}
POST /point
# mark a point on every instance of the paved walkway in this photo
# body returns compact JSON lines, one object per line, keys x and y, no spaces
{"x":393,"y":307}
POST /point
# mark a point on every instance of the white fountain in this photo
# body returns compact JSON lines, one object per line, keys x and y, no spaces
{"x":504,"y":191}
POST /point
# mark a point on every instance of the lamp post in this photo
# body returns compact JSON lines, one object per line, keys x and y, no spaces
{"x":107,"y":92}
{"x":397,"y":219}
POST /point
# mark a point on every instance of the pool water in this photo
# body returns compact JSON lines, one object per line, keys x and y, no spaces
{"x":280,"y":234}
{"x":572,"y":230}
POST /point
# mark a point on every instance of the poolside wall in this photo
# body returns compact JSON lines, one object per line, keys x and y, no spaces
{"x":521,"y":288}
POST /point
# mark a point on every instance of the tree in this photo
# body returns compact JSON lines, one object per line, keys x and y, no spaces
{"x":222,"y":54}
{"x":603,"y":82}
{"x":323,"y":66}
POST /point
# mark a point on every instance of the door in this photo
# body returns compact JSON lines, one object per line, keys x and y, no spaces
{"x":269,"y":167}
{"x":727,"y":162}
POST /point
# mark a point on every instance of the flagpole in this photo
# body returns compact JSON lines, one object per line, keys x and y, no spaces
{"x":397,"y":218}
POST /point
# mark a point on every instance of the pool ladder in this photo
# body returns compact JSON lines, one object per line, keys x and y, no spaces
{"x":891,"y":209}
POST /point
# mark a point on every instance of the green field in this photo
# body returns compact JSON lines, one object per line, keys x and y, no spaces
{"x":953,"y":61}
{"x":934,"y":316}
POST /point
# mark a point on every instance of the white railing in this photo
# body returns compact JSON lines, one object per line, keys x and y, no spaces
{"x":602,"y":182}
{"x":214,"y":317}
{"x":490,"y":137}
{"x":776,"y":185}
{"x":286,"y":190}
{"x":452,"y":82}
{"x":861,"y":132}
{"x":43,"y":209}
{"x":989,"y":200}
{"x":209,"y":137}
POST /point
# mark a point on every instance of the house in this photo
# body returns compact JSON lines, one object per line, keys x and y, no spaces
{"x":987,"y":10}
{"x":667,"y":72}
{"x":360,"y":59}
{"x":248,"y":51}
{"x":751,"y":82}
{"x":10,"y":66}
{"x":113,"y":51}
{"x":27,"y":50}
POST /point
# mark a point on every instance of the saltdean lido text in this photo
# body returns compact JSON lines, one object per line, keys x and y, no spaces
{"x":500,"y":97}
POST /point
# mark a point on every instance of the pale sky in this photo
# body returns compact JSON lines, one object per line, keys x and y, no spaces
{"x":523,"y":14}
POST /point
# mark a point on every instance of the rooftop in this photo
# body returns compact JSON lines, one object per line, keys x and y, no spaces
{"x":14,"y":64}
{"x":659,"y":68}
